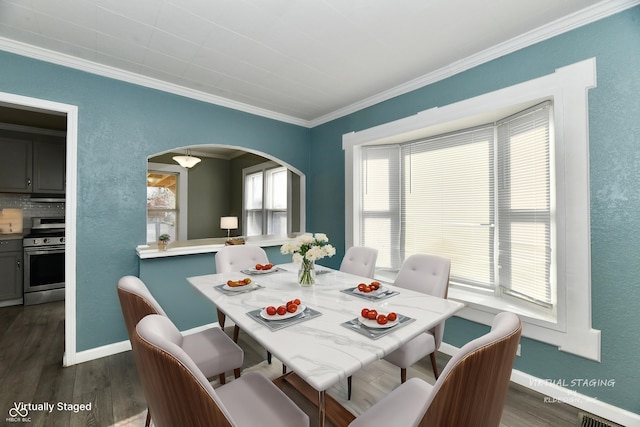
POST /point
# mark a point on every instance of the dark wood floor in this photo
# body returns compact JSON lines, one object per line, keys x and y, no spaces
{"x":32,"y":345}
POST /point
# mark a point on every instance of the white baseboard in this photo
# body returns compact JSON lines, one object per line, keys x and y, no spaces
{"x":557,"y":394}
{"x":122,"y":346}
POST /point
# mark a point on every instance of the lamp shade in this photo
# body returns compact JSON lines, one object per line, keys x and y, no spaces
{"x":187,"y":161}
{"x":229,"y":222}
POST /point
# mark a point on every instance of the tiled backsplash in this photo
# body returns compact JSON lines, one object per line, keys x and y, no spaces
{"x":30,"y":208}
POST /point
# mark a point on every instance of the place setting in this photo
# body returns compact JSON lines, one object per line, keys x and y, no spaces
{"x":259,"y":269}
{"x":374,"y":324}
{"x":373,"y":291}
{"x":235,"y":287}
{"x":281,"y":315}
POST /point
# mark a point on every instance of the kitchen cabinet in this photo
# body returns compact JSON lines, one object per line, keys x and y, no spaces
{"x":16,"y":164}
{"x":11,"y":269}
{"x":49,"y":171}
{"x":32,"y":163}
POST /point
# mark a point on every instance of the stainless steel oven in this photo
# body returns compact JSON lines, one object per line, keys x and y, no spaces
{"x":44,"y":260}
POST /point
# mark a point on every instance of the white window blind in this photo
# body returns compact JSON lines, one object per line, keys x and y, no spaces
{"x":480,"y":197}
{"x":525,"y":205}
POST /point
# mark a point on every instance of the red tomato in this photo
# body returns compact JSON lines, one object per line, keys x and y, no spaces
{"x":361,"y":287}
{"x":372,"y":314}
{"x":292,"y":308}
{"x":374,"y":286}
{"x":376,"y":283}
{"x":267,"y":266}
{"x":282,"y":310}
{"x":367,"y":289}
{"x":364,"y":312}
{"x":258,"y":266}
{"x":271,"y":310}
{"x":296,"y":301}
{"x":392,"y":317}
{"x":381,"y":319}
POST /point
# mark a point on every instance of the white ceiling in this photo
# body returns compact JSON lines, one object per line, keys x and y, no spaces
{"x":301,"y":61}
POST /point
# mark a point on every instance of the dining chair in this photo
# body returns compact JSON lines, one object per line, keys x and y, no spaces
{"x":236,"y":258}
{"x":360,"y":261}
{"x":211,"y":349}
{"x":470,"y":392}
{"x":428,"y":274}
{"x":179,"y":394}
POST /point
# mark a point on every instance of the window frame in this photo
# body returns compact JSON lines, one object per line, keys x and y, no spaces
{"x":182,"y":196}
{"x":264,"y":168}
{"x":567,"y":88}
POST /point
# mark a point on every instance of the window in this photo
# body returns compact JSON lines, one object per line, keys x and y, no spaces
{"x":266,"y":195}
{"x":509,"y":231}
{"x":166,"y":201}
{"x":480,"y":197}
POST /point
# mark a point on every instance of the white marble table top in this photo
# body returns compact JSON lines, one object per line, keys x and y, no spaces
{"x":320,"y":350}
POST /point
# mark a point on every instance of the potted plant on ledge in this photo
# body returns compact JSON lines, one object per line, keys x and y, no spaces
{"x":163,"y":242}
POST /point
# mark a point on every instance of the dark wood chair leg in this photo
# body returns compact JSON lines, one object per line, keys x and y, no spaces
{"x":236,"y":333}
{"x":284,"y":369}
{"x":222,"y":378}
{"x":221,"y":319}
{"x":403,"y":375}
{"x":236,"y":373}
{"x":349,"y":388}
{"x":148,"y":420}
{"x":269,"y":357}
{"x":434,"y":364}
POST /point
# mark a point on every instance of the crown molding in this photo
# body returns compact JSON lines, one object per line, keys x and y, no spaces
{"x":578,"y":19}
{"x":65,"y":60}
{"x":586,"y":16}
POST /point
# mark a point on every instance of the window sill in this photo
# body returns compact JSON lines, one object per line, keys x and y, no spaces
{"x":203,"y":246}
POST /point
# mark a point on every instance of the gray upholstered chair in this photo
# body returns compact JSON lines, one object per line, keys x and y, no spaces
{"x":470,"y":392}
{"x":360,"y":261}
{"x":179,"y":394}
{"x":428,"y":274}
{"x":211,"y":349}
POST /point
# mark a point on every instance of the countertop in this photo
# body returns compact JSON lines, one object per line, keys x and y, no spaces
{"x":203,"y":246}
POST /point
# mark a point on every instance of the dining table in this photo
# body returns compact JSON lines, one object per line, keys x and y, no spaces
{"x":326,"y":340}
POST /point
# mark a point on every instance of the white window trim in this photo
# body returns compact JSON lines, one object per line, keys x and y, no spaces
{"x":183,"y":193}
{"x":567,"y":87}
{"x":264,"y":167}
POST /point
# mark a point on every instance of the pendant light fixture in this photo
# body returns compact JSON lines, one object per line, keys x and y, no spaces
{"x":187,"y":161}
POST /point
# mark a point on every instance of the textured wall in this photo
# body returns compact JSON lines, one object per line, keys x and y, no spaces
{"x":614,"y":114}
{"x":119,"y":126}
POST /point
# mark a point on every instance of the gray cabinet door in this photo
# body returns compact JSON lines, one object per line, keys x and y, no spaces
{"x":11,"y":273}
{"x":15,"y":165}
{"x":49,"y":170}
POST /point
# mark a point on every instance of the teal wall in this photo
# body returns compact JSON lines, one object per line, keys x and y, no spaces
{"x":614,"y":128}
{"x":166,"y":279}
{"x":121,"y":124}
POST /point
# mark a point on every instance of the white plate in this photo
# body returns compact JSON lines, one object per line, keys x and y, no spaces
{"x":239,"y":288}
{"x":373,"y":324}
{"x":377,"y":292}
{"x":287,"y":315}
{"x":254,"y":271}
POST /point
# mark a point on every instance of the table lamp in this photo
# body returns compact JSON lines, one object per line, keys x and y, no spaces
{"x":229,"y":223}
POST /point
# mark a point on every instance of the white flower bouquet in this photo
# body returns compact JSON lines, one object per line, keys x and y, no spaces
{"x":306,"y":249}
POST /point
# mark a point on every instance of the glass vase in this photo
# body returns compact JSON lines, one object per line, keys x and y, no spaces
{"x":307,"y":273}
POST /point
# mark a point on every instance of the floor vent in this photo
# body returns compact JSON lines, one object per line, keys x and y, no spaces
{"x":588,"y":420}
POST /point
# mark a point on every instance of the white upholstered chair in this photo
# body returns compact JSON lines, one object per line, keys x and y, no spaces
{"x":237,"y":258}
{"x":179,"y":394}
{"x":360,"y":261}
{"x":428,"y":274}
{"x":211,"y":349}
{"x":470,"y":392}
